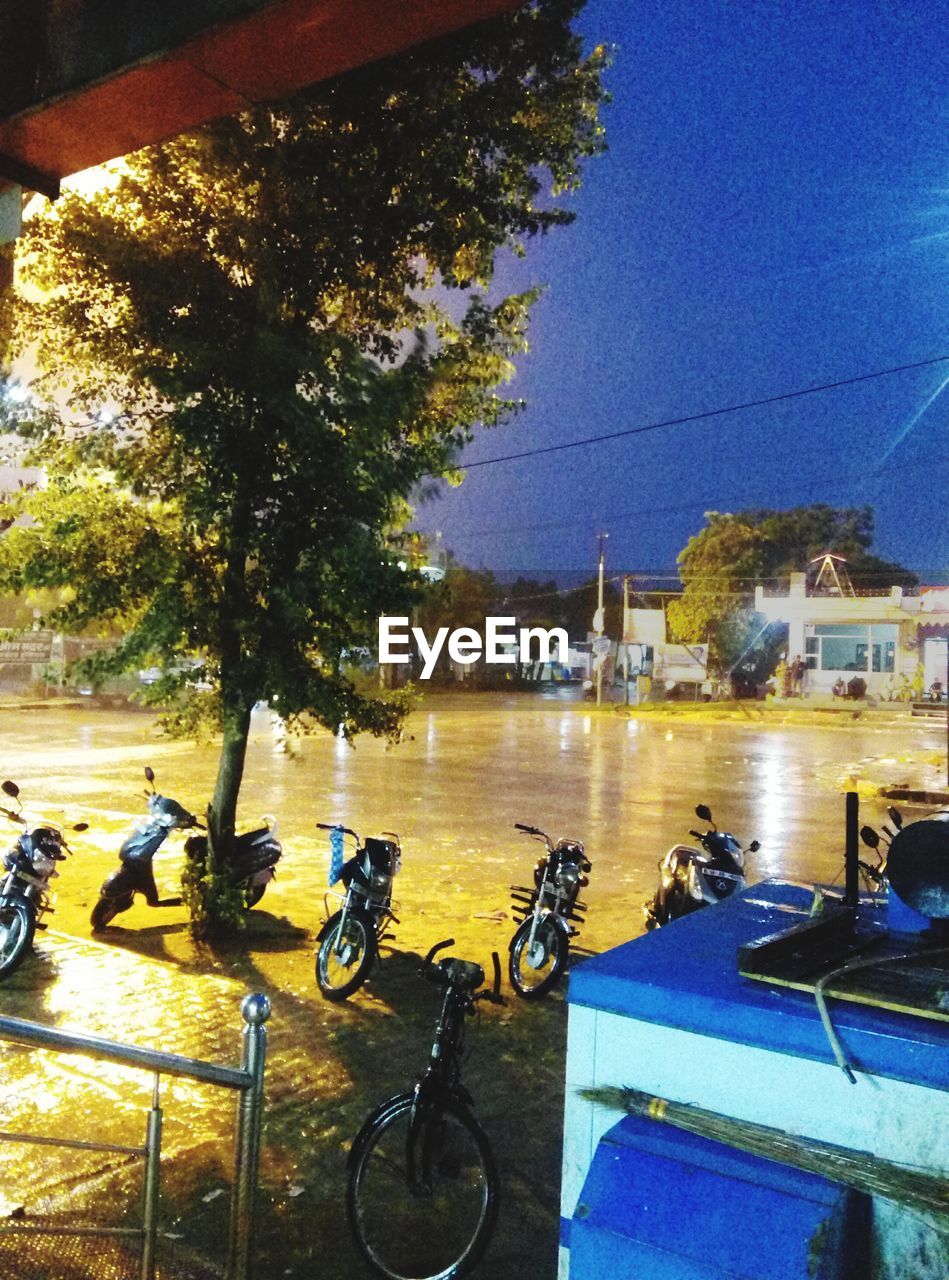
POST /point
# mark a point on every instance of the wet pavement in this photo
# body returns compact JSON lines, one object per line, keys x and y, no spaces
{"x":473,"y":766}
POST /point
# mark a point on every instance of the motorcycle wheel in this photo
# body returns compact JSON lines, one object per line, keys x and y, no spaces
{"x":253,"y":894}
{"x":17,"y":925}
{"x":343,"y":962}
{"x":533,"y":970}
{"x":439,"y":1229}
{"x":106,"y":909}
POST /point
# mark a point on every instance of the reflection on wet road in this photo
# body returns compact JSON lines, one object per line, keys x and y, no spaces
{"x":470,"y":767}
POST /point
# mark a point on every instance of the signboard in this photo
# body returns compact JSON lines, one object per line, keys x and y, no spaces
{"x":28,"y":649}
{"x":681,"y":663}
{"x":644,"y":626}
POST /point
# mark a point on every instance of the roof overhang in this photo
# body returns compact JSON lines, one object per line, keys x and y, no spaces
{"x":84,"y":81}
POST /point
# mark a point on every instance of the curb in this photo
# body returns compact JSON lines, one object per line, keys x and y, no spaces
{"x":939,"y":799}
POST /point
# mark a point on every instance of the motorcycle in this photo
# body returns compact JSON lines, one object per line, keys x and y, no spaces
{"x":349,"y":940}
{"x":541,"y":943}
{"x":256,"y":854}
{"x":691,"y":878}
{"x":25,"y":894}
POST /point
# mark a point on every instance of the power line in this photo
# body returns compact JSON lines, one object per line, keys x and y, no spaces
{"x":699,"y":417}
{"x":831,"y":480}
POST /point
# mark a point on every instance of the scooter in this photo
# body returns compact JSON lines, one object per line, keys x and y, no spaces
{"x":691,"y":878}
{"x":349,"y":940}
{"x":548,"y":915}
{"x":256,"y":854}
{"x":25,"y":890}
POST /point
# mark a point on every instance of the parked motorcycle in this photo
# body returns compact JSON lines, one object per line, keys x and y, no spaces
{"x":349,"y":940}
{"x":691,"y":878}
{"x":874,"y":878}
{"x":541,"y":943}
{"x":30,"y":865}
{"x":256,"y":855}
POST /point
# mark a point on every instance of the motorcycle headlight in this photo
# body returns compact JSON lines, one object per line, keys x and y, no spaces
{"x":568,"y":877}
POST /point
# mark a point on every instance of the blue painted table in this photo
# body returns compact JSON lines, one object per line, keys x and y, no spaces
{"x":669,"y":1014}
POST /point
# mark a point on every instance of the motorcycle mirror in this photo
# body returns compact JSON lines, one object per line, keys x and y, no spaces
{"x":869,"y":837}
{"x":149,"y":773}
{"x":11,"y":789}
{"x":81,"y":826}
{"x":895,"y":817}
{"x":704,"y":812}
{"x":754,"y":847}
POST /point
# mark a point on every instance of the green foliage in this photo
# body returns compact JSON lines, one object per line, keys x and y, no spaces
{"x":721,"y":566}
{"x":579,"y":606}
{"x":286,"y":317}
{"x":215,"y":904}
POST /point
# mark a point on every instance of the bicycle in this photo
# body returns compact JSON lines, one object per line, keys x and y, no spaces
{"x":422,"y":1188}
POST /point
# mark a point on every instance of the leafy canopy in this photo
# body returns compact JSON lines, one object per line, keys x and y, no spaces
{"x":285,"y":318}
{"x":721,"y":566}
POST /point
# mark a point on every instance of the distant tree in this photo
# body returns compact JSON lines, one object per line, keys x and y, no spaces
{"x":255,"y":306}
{"x":721,"y":566}
{"x":579,"y":605}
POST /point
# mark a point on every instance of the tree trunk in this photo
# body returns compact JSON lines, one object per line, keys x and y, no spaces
{"x":222,"y":815}
{"x":214,"y":900}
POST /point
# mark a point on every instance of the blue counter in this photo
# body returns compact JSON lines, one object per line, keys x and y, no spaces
{"x":668,"y":1014}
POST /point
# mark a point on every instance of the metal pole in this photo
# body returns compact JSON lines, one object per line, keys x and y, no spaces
{"x":625,"y":643}
{"x":152,"y":1162}
{"x":255,"y":1010}
{"x":599,"y":611}
{"x":852,"y":851}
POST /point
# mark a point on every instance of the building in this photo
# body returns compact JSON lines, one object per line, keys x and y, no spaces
{"x":881,"y":638}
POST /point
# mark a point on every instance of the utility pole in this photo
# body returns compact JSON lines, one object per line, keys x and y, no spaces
{"x":623,"y":638}
{"x":598,"y":623}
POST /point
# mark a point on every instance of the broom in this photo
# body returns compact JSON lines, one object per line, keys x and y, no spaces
{"x":857,"y":1169}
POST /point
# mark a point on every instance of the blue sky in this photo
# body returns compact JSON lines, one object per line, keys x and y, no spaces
{"x":772,"y":214}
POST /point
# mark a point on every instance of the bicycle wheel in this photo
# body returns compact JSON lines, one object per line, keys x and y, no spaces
{"x":440,"y":1229}
{"x":533,"y":969}
{"x":345,"y":955}
{"x":17,"y":923}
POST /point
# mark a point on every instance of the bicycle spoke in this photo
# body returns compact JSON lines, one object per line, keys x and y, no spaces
{"x":435,"y":1229}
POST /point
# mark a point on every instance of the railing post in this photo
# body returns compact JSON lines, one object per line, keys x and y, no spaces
{"x":152,"y":1161}
{"x":255,"y":1011}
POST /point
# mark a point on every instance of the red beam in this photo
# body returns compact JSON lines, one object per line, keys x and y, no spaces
{"x":269,"y":54}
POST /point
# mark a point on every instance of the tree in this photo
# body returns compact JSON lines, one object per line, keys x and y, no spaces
{"x":264,"y":308}
{"x":721,"y":566}
{"x":579,"y":605}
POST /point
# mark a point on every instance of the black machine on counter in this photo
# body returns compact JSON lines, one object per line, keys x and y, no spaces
{"x":896,"y":958}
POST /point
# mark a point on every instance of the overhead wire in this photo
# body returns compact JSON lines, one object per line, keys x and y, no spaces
{"x":703,"y":416}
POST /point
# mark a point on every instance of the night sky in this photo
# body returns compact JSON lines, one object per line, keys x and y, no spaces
{"x":772,"y":214}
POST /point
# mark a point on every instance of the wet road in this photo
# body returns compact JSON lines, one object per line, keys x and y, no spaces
{"x":472,"y":766}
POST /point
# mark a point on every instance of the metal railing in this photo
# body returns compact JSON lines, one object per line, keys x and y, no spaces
{"x":247,"y":1080}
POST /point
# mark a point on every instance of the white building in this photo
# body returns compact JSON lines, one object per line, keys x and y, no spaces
{"x":880,"y":638}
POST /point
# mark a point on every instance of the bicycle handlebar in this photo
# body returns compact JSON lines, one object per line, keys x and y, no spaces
{"x":427,"y":966}
{"x":331,"y":826}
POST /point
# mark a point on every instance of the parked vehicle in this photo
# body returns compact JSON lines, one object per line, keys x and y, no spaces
{"x":256,"y":855}
{"x":874,"y":877}
{"x":349,"y":940}
{"x":422,"y":1187}
{"x":30,"y":865}
{"x":691,"y":878}
{"x":548,"y":915}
